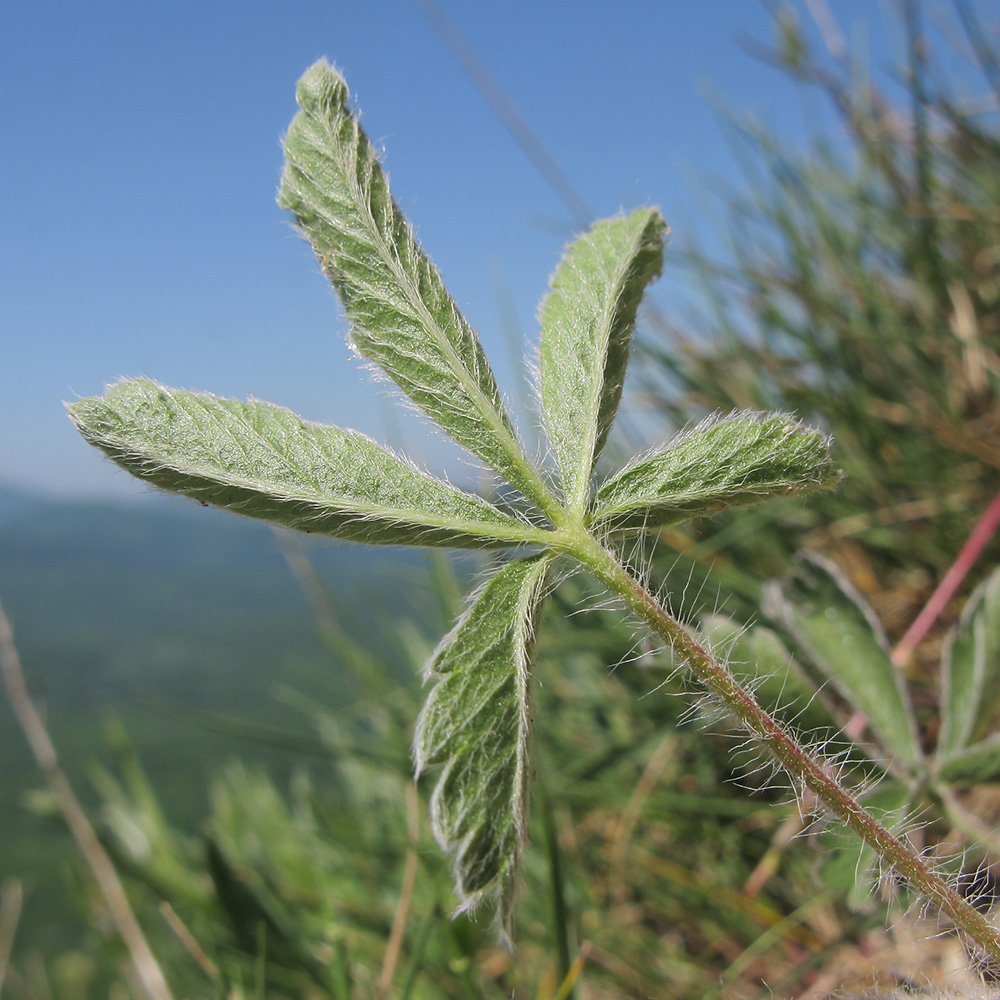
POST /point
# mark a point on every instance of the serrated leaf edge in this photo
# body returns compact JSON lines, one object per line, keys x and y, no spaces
{"x":145,"y":466}
{"x":532,"y":590}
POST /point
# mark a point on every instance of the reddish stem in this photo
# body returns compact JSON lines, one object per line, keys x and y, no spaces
{"x":952,"y":580}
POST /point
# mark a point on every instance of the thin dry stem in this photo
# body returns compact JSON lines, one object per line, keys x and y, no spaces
{"x":575,"y":970}
{"x":394,"y":947}
{"x":147,"y":969}
{"x":833,"y":38}
{"x":10,"y":914}
{"x":630,"y":816}
{"x":791,"y":826}
{"x":189,"y":941}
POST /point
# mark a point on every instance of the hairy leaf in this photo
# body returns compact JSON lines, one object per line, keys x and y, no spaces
{"x":970,"y":675}
{"x":720,"y":464}
{"x":264,"y":461}
{"x":404,"y":319}
{"x":475,"y":723}
{"x":587,"y":321}
{"x":833,"y":628}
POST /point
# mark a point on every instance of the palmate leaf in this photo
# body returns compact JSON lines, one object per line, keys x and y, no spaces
{"x":475,"y":724}
{"x":587,"y":321}
{"x":404,"y":319}
{"x":264,"y":461}
{"x":720,"y":464}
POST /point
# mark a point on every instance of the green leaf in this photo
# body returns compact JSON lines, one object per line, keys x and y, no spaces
{"x":970,"y":669}
{"x":404,"y":319}
{"x":587,"y":321}
{"x":835,"y":630}
{"x":760,"y":661}
{"x":720,"y":464}
{"x":977,"y":764}
{"x":264,"y":461}
{"x":476,"y":723}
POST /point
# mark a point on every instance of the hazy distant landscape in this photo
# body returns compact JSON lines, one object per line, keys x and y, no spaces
{"x":143,"y":612}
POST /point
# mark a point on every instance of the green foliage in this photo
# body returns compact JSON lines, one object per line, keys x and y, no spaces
{"x":263,"y":461}
{"x":968,"y":749}
{"x":327,"y":856}
{"x":836,"y":664}
{"x":475,"y":724}
{"x":404,"y":319}
{"x":851,"y":263}
{"x":839,"y":638}
{"x":721,"y":464}
{"x":759,"y":658}
{"x":858,"y":286}
{"x":587,"y":322}
{"x":970,"y":670}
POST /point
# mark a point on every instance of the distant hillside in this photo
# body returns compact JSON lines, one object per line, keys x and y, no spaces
{"x":14,"y":501}
{"x":124,"y":609}
{"x":108,"y":599}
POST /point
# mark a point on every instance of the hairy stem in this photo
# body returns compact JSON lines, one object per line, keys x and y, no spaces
{"x":803,"y":768}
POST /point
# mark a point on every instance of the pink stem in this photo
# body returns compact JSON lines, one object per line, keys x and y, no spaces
{"x":981,"y":534}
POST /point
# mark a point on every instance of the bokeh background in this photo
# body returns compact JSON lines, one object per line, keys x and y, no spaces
{"x":235,"y":705}
{"x":140,"y":234}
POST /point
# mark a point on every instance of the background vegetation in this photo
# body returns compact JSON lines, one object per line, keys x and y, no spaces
{"x":860,"y":288}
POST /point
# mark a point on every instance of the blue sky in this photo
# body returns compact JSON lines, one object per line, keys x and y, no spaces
{"x":140,"y":234}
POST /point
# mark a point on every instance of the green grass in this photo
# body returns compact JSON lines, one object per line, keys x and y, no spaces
{"x":156,"y":614}
{"x":861,"y":288}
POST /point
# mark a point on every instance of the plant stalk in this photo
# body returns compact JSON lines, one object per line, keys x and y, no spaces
{"x":804,"y":770}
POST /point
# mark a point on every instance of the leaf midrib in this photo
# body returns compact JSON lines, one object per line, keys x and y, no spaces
{"x":582,"y":486}
{"x":516,"y":534}
{"x":539,"y":493}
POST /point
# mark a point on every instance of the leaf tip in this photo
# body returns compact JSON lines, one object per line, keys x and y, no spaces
{"x":95,"y":416}
{"x":321,"y":87}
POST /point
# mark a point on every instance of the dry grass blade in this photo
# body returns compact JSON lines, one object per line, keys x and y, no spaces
{"x":147,"y":969}
{"x":10,"y":914}
{"x":393,"y":948}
